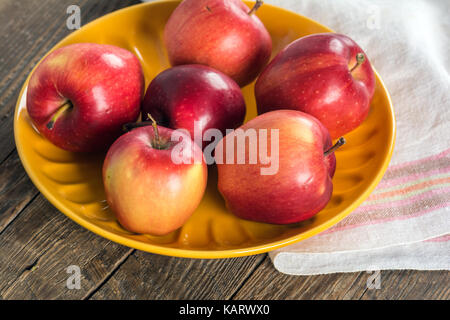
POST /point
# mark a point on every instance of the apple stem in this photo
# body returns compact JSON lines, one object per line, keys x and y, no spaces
{"x":360,"y":58}
{"x":338,"y":144}
{"x":157,"y":142}
{"x":66,"y":106}
{"x":257,"y":5}
{"x":157,"y":139}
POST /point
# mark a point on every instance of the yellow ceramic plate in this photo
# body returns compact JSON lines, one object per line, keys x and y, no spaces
{"x":73,"y":184}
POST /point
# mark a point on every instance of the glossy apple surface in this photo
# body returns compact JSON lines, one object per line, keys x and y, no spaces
{"x":149,"y":192}
{"x":314,"y":75}
{"x":194,"y":97}
{"x":81,"y":94}
{"x":223,"y":34}
{"x":300,"y":188}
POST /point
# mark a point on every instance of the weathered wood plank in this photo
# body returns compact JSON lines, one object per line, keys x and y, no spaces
{"x":16,"y":190}
{"x":30,"y":29}
{"x":150,"y":276}
{"x":39,"y":245}
{"x":267,"y":283}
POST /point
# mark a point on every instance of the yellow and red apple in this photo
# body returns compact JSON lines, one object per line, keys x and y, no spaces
{"x":147,"y":186}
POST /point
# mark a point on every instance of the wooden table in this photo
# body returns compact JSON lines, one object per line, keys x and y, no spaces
{"x":38,"y":243}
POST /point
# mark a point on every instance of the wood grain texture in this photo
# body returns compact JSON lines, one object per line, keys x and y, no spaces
{"x":16,"y":190}
{"x":150,"y":276}
{"x":39,"y":245}
{"x":268,"y":283}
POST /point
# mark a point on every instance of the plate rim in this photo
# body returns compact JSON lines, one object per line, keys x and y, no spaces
{"x":197,"y":253}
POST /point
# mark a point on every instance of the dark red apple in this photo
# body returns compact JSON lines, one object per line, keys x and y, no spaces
{"x":223,"y":34}
{"x":326,"y":75}
{"x":80,"y":95}
{"x":147,"y":188}
{"x":300,"y":186}
{"x":189,"y":95}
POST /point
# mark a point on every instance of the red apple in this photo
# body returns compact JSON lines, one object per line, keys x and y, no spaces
{"x":147,"y":190}
{"x":223,"y":34}
{"x":326,"y":75}
{"x":80,"y":95}
{"x":194,"y":94}
{"x":299,"y":188}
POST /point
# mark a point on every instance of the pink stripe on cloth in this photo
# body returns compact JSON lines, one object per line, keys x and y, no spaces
{"x":366,"y":223}
{"x":399,"y":203}
{"x":423,"y":160}
{"x":440,"y":239}
{"x":414,"y":176}
{"x":391,"y":215}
